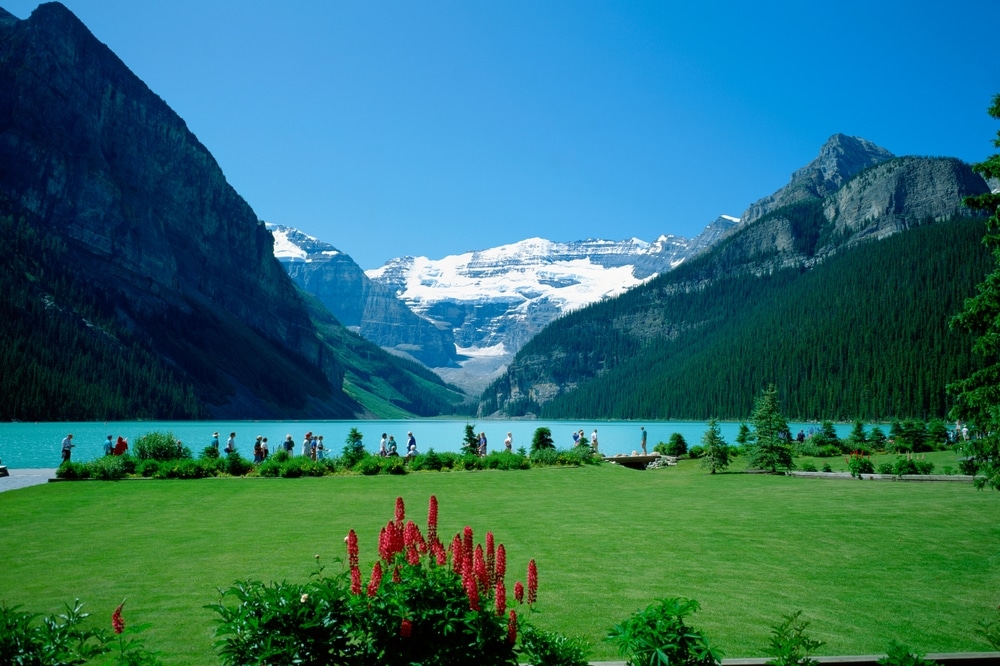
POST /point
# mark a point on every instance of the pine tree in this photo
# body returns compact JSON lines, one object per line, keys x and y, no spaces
{"x":977,"y":397}
{"x":716,"y":450}
{"x":770,"y":446}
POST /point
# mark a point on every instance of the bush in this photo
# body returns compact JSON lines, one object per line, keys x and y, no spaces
{"x":658,"y":635}
{"x":72,"y":471}
{"x":696,"y":451}
{"x":546,"y":648}
{"x":210,"y":452}
{"x":859,"y":463}
{"x":159,"y":446}
{"x":415,"y":609}
{"x":148,"y":468}
{"x":107,"y":468}
{"x":909,"y":465}
{"x":808,"y":467}
{"x":900,"y":655}
{"x":542,"y":440}
{"x":789,"y":645}
{"x":886,"y":468}
{"x":236,"y":465}
{"x":677,"y":446}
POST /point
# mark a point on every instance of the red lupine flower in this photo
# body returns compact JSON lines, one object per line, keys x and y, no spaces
{"x":432,"y":519}
{"x":383,"y":545}
{"x":491,"y":571}
{"x":500,"y":597}
{"x":512,"y":628}
{"x":472,"y":590}
{"x":117,"y":622}
{"x":501,"y":564}
{"x":479,"y":569}
{"x":352,"y":549}
{"x":519,"y":592}
{"x":412,"y":556}
{"x":532,"y":582}
{"x":400,"y":511}
{"x":376,"y":579}
{"x":355,"y":581}
{"x":467,"y":545}
{"x":440,"y":554}
{"x":405,"y":628}
{"x":457,"y":558}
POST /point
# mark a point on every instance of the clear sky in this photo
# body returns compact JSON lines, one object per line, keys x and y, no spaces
{"x":428,"y":127}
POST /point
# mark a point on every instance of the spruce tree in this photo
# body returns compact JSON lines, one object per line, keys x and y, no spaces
{"x":716,"y":450}
{"x":770,"y":445}
{"x":977,"y":397}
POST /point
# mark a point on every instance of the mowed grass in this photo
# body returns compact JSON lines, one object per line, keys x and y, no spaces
{"x":866,"y":561}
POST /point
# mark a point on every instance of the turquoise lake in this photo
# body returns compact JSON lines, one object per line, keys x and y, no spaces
{"x":38,"y":445}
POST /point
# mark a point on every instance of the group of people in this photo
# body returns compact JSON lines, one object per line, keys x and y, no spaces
{"x":387,"y":446}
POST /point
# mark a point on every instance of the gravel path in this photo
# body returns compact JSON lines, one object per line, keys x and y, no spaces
{"x":22,"y":478}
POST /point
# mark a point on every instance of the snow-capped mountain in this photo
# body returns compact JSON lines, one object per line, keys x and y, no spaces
{"x":497,"y":299}
{"x":466,"y":315}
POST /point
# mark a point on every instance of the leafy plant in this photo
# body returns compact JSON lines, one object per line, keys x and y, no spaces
{"x":859,"y":463}
{"x":716,"y":450}
{"x":990,"y":630}
{"x":900,"y":655}
{"x":160,"y":446}
{"x":424,"y":603}
{"x":677,"y":446}
{"x":546,"y":648}
{"x":789,"y":645}
{"x":541,"y":440}
{"x":659,"y":635}
{"x":354,"y":450}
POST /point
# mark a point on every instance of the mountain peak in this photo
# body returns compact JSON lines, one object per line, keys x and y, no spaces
{"x":839,"y":159}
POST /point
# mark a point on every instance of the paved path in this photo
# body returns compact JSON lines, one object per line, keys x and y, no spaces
{"x":22,"y":478}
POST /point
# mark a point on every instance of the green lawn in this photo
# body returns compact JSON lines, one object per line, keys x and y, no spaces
{"x":866,"y":561}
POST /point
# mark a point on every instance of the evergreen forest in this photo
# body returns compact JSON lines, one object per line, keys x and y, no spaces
{"x":862,"y":335}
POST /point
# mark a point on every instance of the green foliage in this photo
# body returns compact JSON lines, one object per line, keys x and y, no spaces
{"x":159,"y":446}
{"x":716,"y":450}
{"x":541,"y":440}
{"x":575,"y":457}
{"x":859,"y":463}
{"x":990,"y":630}
{"x":60,"y":640}
{"x":659,"y":635}
{"x":770,"y":445}
{"x":833,"y":350}
{"x":900,"y":655}
{"x":696,"y":451}
{"x":415,"y":609}
{"x":236,"y":465}
{"x":976,"y":398}
{"x":470,"y":442}
{"x":677,"y":446}
{"x":789,"y":645}
{"x":354,"y":449}
{"x":910,"y":465}
{"x":547,"y":648}
{"x":66,"y":351}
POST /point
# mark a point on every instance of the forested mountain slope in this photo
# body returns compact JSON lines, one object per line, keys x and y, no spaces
{"x":137,"y":282}
{"x":844,"y":327}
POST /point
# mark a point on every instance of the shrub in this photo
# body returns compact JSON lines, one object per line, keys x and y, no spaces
{"x":827,"y":468}
{"x":159,"y":446}
{"x":210,"y":452}
{"x":107,"y":468}
{"x":354,"y":449}
{"x":72,"y":471}
{"x":789,"y":645}
{"x":696,"y":451}
{"x":429,"y":461}
{"x":886,"y":468}
{"x":808,"y":467}
{"x":422,"y":604}
{"x":370,"y":465}
{"x":859,"y":463}
{"x":542,"y":440}
{"x":910,"y":465}
{"x":546,"y":648}
{"x":148,"y":468}
{"x":677,"y":446}
{"x":900,"y":655}
{"x":658,"y":635}
{"x":236,"y":465}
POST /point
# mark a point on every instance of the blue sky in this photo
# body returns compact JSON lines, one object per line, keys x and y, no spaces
{"x":433,"y":128}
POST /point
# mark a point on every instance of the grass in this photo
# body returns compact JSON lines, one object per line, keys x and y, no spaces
{"x":866,"y":561}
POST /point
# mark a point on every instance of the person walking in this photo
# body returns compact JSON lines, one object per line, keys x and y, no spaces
{"x":508,"y":442}
{"x":67,"y":447}
{"x":643,"y":442}
{"x":593,"y":440}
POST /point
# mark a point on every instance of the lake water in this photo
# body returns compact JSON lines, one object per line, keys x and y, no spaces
{"x":38,"y":445}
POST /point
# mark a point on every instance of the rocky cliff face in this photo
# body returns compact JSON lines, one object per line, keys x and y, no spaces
{"x":368,"y":307}
{"x":96,"y":158}
{"x":840,"y":158}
